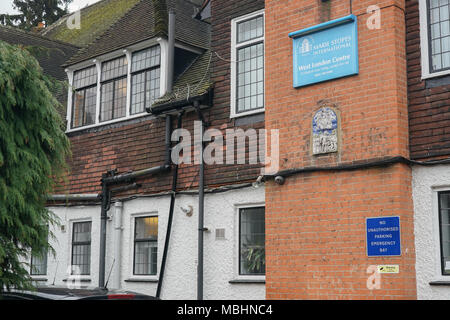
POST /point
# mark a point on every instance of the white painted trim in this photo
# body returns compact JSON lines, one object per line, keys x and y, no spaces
{"x":129,"y":56}
{"x":100,"y":124}
{"x":131,"y":275}
{"x":70,"y":74}
{"x":164,"y":66}
{"x":236,"y":258}
{"x":234,"y":47}
{"x":438,"y":276}
{"x":98,"y":101}
{"x":424,"y":54}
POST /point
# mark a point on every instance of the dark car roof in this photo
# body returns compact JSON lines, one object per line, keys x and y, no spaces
{"x":62,"y":293}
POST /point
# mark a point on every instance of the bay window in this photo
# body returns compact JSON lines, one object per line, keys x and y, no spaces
{"x":104,"y":98}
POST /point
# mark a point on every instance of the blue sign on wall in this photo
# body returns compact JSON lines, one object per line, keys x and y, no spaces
{"x":383,"y":236}
{"x":326,"y":51}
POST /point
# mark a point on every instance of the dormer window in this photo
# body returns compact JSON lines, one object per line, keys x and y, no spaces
{"x":101,"y":92}
{"x":84,"y":97}
{"x":114,"y":89}
{"x":145,"y":78}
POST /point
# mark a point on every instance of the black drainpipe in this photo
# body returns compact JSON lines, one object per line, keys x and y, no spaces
{"x":106,"y":204}
{"x":170,"y":219}
{"x":201,"y":208}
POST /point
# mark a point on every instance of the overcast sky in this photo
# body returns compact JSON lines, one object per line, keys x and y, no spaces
{"x":7,"y":7}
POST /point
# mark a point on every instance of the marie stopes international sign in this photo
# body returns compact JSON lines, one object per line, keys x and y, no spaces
{"x":325,"y":52}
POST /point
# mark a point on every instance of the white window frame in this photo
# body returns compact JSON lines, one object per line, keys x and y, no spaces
{"x":131,"y":275}
{"x":128,"y":52}
{"x":70,"y":241}
{"x":234,"y":48}
{"x":424,"y":45}
{"x":438,"y":276}
{"x":236,"y":256}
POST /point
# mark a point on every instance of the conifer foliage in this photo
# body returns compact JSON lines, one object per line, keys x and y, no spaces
{"x":33,"y":149}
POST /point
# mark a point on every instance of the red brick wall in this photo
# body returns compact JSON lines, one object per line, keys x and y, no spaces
{"x":429,"y":106}
{"x":315,"y":223}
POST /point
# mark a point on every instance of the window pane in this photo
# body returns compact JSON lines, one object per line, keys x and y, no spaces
{"x":77,"y":109}
{"x":39,"y":264}
{"x":250,"y":79}
{"x":145,"y":90}
{"x":252,"y":241}
{"x":90,"y":106}
{"x":84,"y":78}
{"x":146,"y":59}
{"x":138,"y":93}
{"x":250,"y":29}
{"x":106,"y":112}
{"x":120,"y":98}
{"x":147,"y":228}
{"x":145,"y":258}
{"x":114,"y":69}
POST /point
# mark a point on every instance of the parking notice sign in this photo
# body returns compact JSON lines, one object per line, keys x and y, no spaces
{"x":383,"y":236}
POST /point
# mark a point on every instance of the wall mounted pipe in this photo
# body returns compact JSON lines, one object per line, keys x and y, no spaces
{"x":170,"y":220}
{"x":118,"y":227}
{"x":201,"y":210}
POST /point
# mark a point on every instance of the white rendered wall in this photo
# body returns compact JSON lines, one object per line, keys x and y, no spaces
{"x":180,"y":279}
{"x":427,"y":181}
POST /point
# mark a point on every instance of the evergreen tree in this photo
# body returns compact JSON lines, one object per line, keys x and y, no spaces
{"x":33,"y":149}
{"x":34,"y":11}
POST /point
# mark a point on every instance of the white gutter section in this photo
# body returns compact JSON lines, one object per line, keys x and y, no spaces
{"x":74,"y":197}
{"x":118,"y":227}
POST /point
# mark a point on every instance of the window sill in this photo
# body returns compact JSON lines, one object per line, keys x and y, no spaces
{"x":149,"y":280}
{"x":248,"y":113}
{"x":435,"y":74}
{"x":439,"y":283}
{"x":107,"y":124}
{"x":39,"y":279}
{"x":76,"y":279}
{"x":247,"y":281}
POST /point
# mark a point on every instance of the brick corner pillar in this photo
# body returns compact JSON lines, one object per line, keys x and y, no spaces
{"x":316,"y":244}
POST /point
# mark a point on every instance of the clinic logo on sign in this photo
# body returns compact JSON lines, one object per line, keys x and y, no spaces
{"x":306,"y":46}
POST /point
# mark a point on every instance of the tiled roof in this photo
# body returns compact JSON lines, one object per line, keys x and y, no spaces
{"x":94,"y":21}
{"x":146,"y":20}
{"x":194,"y":82}
{"x":52,"y":55}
